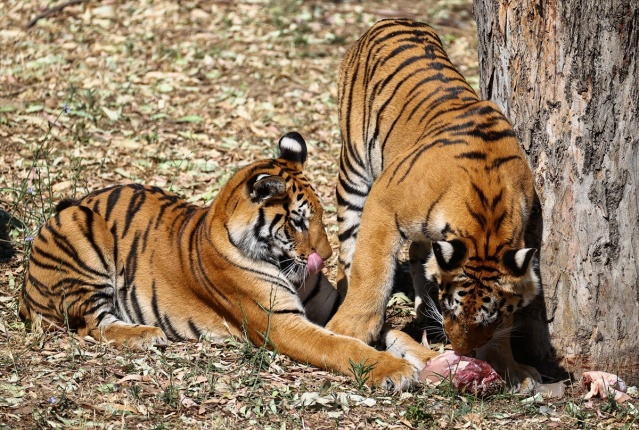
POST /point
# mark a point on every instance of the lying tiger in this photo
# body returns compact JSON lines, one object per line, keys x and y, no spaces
{"x":424,"y":159}
{"x":137,"y":265}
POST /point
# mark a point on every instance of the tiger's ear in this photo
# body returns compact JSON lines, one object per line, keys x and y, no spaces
{"x":266,"y":187}
{"x":293,"y":147}
{"x":517,"y":261}
{"x":449,"y":255}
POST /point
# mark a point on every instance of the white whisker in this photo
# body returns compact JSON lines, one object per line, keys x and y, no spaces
{"x":437,"y":333}
{"x":431,"y":310}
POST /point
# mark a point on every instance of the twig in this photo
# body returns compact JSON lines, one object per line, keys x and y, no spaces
{"x":53,"y":10}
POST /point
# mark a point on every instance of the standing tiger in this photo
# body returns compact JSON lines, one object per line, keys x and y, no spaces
{"x":137,"y":265}
{"x":424,"y":159}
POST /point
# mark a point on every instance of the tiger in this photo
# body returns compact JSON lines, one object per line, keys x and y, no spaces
{"x":136,"y":265}
{"x":424,"y":160}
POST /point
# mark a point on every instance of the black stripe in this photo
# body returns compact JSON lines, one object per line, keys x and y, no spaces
{"x":132,"y":260}
{"x":348,"y":233}
{"x":341,"y":201}
{"x":416,"y":150}
{"x":491,"y":136}
{"x":348,"y":156}
{"x":352,"y":190}
{"x":112,"y":200}
{"x":480,"y":109}
{"x":91,"y":237}
{"x":499,"y":161}
{"x":287,"y":311}
{"x":135,"y":303}
{"x":114,"y":235}
{"x":480,"y":194}
{"x":472,"y":155}
{"x":169,"y":329}
{"x":497,"y":199}
{"x":480,"y":218}
{"x":482,"y":268}
{"x":348,"y":126}
{"x":399,"y":228}
{"x":79,"y":266}
{"x":498,"y":221}
{"x":135,"y":203}
{"x":487,"y":242}
{"x":145,"y":236}
{"x":154,"y":306}
{"x":197,"y":333}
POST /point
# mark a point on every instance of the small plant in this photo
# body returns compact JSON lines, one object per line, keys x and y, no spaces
{"x":107,"y":388}
{"x":576,"y":411}
{"x":170,"y":395}
{"x":417,"y":413}
{"x":260,"y":358}
{"x":134,"y":391}
{"x":361,"y":372}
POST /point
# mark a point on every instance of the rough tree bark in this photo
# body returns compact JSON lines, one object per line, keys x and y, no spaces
{"x":566,"y":73}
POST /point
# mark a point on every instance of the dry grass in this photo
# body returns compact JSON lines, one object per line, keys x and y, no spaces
{"x":179,"y":95}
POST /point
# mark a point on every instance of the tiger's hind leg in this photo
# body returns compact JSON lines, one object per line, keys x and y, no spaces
{"x":71,"y":283}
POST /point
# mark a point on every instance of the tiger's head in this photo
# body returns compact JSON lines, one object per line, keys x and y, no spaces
{"x":478,"y":296}
{"x":276,"y":215}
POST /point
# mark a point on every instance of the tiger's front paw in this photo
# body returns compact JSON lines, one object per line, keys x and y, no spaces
{"x":522,"y":378}
{"x":363,"y":327}
{"x":393,"y":373}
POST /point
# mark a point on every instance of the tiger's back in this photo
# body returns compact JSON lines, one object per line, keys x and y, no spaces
{"x":424,"y":159}
{"x":402,"y":100}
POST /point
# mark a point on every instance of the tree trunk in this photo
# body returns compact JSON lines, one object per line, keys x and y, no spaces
{"x":566,"y":73}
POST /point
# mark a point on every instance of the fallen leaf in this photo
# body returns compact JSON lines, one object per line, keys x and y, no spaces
{"x":186,"y":401}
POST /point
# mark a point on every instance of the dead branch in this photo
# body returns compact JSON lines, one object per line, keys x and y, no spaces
{"x":53,"y":10}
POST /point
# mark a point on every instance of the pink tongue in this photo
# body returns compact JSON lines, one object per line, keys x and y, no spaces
{"x":314,"y":263}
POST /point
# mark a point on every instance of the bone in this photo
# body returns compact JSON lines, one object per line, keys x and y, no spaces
{"x":605,"y":384}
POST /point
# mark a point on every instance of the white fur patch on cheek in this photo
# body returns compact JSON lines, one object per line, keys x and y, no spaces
{"x":431,"y":269}
{"x":456,"y":309}
{"x":532,"y":287}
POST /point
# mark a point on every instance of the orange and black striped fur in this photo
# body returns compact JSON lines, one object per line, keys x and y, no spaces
{"x":137,"y":265}
{"x":424,"y":159}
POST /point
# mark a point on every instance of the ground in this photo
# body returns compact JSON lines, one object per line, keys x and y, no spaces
{"x":179,"y":95}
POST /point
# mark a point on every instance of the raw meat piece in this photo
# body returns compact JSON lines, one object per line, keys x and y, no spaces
{"x":605,"y":384}
{"x":469,"y":375}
